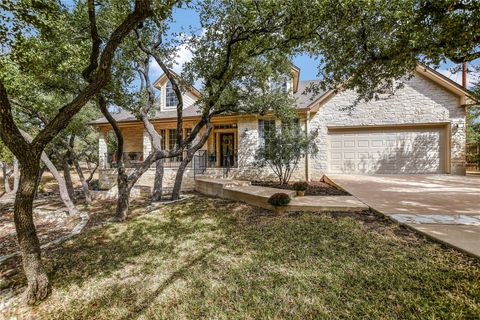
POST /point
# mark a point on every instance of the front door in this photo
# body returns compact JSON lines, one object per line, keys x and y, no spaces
{"x":227,"y":149}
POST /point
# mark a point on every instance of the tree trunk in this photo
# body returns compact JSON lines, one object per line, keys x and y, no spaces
{"x":41,"y":170}
{"x":6,"y":183}
{"x":179,"y":176}
{"x":186,"y":160}
{"x":68,"y":178}
{"x":38,"y":284}
{"x":91,"y":172}
{"x":61,"y":185}
{"x":84,"y":183}
{"x":61,"y":182}
{"x":123,"y":200}
{"x":16,"y":175}
{"x":158,"y":183}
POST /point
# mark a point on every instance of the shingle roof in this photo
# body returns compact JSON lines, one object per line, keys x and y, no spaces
{"x":303,"y":100}
{"x":126,"y":116}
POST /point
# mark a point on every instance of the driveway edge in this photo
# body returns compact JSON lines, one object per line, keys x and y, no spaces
{"x":326,"y":179}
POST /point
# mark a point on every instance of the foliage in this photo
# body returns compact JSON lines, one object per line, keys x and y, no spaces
{"x":371,"y":45}
{"x":473,"y":131}
{"x":283,"y":149}
{"x":238,"y":54}
{"x":5,"y":154}
{"x":279,"y":199}
{"x":300,"y":186}
{"x":94,"y":184}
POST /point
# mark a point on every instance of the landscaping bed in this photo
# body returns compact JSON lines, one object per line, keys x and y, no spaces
{"x":315,"y":188}
{"x":210,"y":258}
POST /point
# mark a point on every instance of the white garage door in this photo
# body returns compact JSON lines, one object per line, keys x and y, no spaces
{"x":399,"y":150}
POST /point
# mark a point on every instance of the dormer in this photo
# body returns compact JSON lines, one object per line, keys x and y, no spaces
{"x":295,"y":72}
{"x":290,"y":84}
{"x":168,"y":99}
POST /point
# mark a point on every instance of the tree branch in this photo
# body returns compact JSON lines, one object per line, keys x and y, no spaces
{"x":141,"y":12}
{"x":96,"y":42}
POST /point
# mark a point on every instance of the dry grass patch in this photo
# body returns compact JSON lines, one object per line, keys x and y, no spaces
{"x":209,"y":258}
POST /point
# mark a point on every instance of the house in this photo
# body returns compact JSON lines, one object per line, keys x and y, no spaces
{"x":418,"y":129}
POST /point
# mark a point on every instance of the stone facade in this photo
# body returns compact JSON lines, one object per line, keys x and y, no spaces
{"x":108,"y":178}
{"x":248,"y":142}
{"x":420,"y":101}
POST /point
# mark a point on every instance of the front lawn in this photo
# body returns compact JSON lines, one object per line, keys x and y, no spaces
{"x":210,"y":258}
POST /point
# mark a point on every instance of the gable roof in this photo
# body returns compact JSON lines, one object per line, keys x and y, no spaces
{"x":163,"y":79}
{"x":305,"y":99}
{"x":443,"y":81}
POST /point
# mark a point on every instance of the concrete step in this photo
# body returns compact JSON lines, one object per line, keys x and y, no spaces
{"x":215,"y":187}
{"x":238,"y":190}
{"x":326,"y":203}
{"x":255,"y":195}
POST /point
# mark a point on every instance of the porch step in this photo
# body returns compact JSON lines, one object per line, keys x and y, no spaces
{"x":238,"y":190}
{"x":326,"y":203}
{"x":215,"y":187}
{"x":255,"y":195}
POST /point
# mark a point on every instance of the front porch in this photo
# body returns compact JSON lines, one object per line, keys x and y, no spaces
{"x":220,"y":151}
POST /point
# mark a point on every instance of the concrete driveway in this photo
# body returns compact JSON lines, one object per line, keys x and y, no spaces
{"x":445,"y":207}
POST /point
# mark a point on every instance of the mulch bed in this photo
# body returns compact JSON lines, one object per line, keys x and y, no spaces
{"x":316,"y":188}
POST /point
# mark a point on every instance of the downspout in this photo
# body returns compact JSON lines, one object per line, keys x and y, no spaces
{"x":307,"y":155}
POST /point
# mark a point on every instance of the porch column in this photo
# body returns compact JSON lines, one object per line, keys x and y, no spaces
{"x":147,"y":144}
{"x":102,"y":150}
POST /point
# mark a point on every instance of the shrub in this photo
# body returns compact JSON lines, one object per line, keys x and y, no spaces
{"x":279,"y":199}
{"x":300,"y":186}
{"x":94,"y":184}
{"x":283,"y":149}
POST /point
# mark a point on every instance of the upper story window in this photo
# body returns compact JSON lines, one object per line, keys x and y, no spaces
{"x":171,"y":100}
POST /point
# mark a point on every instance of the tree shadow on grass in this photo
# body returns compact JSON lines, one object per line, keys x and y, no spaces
{"x":212,"y":258}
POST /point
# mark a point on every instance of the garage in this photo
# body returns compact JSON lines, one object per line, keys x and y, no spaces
{"x":389,"y":150}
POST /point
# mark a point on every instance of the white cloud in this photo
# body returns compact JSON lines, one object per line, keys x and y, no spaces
{"x":472,"y":77}
{"x":183,"y":55}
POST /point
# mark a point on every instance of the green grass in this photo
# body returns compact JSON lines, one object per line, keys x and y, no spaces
{"x":209,"y":258}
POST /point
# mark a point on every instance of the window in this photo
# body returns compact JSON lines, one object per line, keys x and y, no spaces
{"x":163,"y":135}
{"x":187,"y":132}
{"x":172,"y":138}
{"x":265,"y":127}
{"x":171,"y":100}
{"x":172,"y":141}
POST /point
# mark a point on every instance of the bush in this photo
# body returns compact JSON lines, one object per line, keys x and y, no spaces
{"x":300,"y":186}
{"x":283,"y":149}
{"x":94,"y":184}
{"x":279,"y":199}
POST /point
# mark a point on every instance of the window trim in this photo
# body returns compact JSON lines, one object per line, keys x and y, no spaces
{"x":261,"y":129}
{"x":168,"y":92}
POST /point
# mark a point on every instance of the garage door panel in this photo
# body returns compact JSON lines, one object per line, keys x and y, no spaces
{"x":362,"y":143}
{"x":387,"y":151}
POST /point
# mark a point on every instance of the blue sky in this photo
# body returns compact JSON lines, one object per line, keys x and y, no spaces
{"x":187,"y":19}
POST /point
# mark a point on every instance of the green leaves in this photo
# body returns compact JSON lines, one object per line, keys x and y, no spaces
{"x":369,"y":45}
{"x":283,"y":149}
